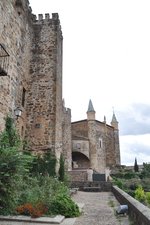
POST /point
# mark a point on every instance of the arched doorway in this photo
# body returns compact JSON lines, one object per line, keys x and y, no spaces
{"x":80,"y":161}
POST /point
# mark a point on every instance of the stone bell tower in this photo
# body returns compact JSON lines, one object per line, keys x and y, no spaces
{"x":114,"y":123}
{"x":92,"y":136}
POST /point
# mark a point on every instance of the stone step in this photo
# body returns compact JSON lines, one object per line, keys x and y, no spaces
{"x":92,"y":189}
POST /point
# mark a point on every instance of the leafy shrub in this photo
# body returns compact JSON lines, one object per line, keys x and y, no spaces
{"x":131,"y":193}
{"x":13,"y":166}
{"x":44,"y":164}
{"x":148,"y":197}
{"x":42,"y":189}
{"x":64,"y":205}
{"x":146,"y":171}
{"x":26,"y":189}
{"x":118,"y":183}
{"x":129,"y":175}
{"x":34,"y":211}
{"x":139,"y":194}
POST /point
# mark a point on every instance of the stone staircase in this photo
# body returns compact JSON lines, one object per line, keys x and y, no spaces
{"x":92,"y":186}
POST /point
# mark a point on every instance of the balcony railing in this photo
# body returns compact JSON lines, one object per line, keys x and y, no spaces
{"x":4,"y":61}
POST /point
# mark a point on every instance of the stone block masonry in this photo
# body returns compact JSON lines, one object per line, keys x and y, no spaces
{"x":34,"y":81}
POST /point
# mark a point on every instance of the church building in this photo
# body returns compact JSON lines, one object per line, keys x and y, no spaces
{"x":95,"y":144}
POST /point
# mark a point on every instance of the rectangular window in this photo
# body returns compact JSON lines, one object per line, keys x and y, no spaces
{"x":100,"y":143}
{"x":23,"y":96}
{"x":4,"y":61}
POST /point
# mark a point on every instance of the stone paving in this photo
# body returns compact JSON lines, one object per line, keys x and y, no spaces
{"x":99,"y":209}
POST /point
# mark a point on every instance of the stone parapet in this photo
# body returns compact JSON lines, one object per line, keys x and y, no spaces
{"x":138,"y":212}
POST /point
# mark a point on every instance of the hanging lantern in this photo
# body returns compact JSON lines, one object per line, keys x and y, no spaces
{"x":17,"y":112}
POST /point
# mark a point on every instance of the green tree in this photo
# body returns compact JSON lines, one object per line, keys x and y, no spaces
{"x":145,"y":171}
{"x":44,"y":164}
{"x":61,"y":168}
{"x":13,"y":166}
{"x":136,"y":167}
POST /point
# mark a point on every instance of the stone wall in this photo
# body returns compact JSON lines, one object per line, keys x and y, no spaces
{"x":78,"y":175}
{"x":110,"y":148}
{"x":139,"y":213}
{"x":67,"y":143}
{"x":81,"y":146}
{"x":44,"y":97}
{"x":15,"y":36}
{"x":93,"y":145}
{"x":34,"y":81}
{"x":79,"y":129}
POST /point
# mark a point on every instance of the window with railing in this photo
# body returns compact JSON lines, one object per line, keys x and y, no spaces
{"x":4,"y":61}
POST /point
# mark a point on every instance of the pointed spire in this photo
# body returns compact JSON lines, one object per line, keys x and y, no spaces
{"x":105,"y":124}
{"x":104,"y":119}
{"x":90,"y":107}
{"x":114,"y":121}
{"x":91,"y":111}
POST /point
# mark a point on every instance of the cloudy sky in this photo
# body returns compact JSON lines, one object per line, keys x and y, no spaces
{"x":106,"y":58}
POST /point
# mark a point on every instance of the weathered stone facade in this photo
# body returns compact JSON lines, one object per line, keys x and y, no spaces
{"x":95,"y":143}
{"x":34,"y":80}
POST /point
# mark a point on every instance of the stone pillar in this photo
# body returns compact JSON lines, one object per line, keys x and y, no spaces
{"x":89,"y":174}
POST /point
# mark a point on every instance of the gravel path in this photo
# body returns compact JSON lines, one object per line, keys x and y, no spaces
{"x":99,"y":209}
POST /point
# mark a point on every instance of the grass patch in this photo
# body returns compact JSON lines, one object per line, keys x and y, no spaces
{"x":111,"y":203}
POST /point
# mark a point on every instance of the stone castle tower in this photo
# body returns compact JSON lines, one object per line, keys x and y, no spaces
{"x":33,"y":81}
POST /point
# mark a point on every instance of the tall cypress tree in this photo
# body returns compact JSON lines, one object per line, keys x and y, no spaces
{"x":62,"y":168}
{"x":136,"y":167}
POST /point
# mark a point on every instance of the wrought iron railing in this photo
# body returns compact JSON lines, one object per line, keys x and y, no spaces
{"x":4,"y":61}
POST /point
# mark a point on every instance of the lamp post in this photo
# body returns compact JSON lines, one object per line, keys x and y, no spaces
{"x":17,"y":112}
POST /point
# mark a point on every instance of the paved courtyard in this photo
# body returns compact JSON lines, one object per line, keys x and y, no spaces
{"x":99,"y":209}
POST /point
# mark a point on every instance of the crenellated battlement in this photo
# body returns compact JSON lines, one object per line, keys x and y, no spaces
{"x":51,"y":18}
{"x":67,"y":111}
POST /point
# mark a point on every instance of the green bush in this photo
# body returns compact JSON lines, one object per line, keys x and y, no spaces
{"x":64,"y":205}
{"x":43,"y":190}
{"x":27,"y":182}
{"x":13,"y":166}
{"x":44,"y":164}
{"x":118,"y":182}
{"x":129,"y":175}
{"x":148,"y":198}
{"x":140,"y":194}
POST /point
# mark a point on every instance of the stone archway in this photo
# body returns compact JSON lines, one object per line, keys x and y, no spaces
{"x":80,"y":161}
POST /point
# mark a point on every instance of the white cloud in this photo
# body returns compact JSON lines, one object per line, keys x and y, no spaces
{"x":135,"y":147}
